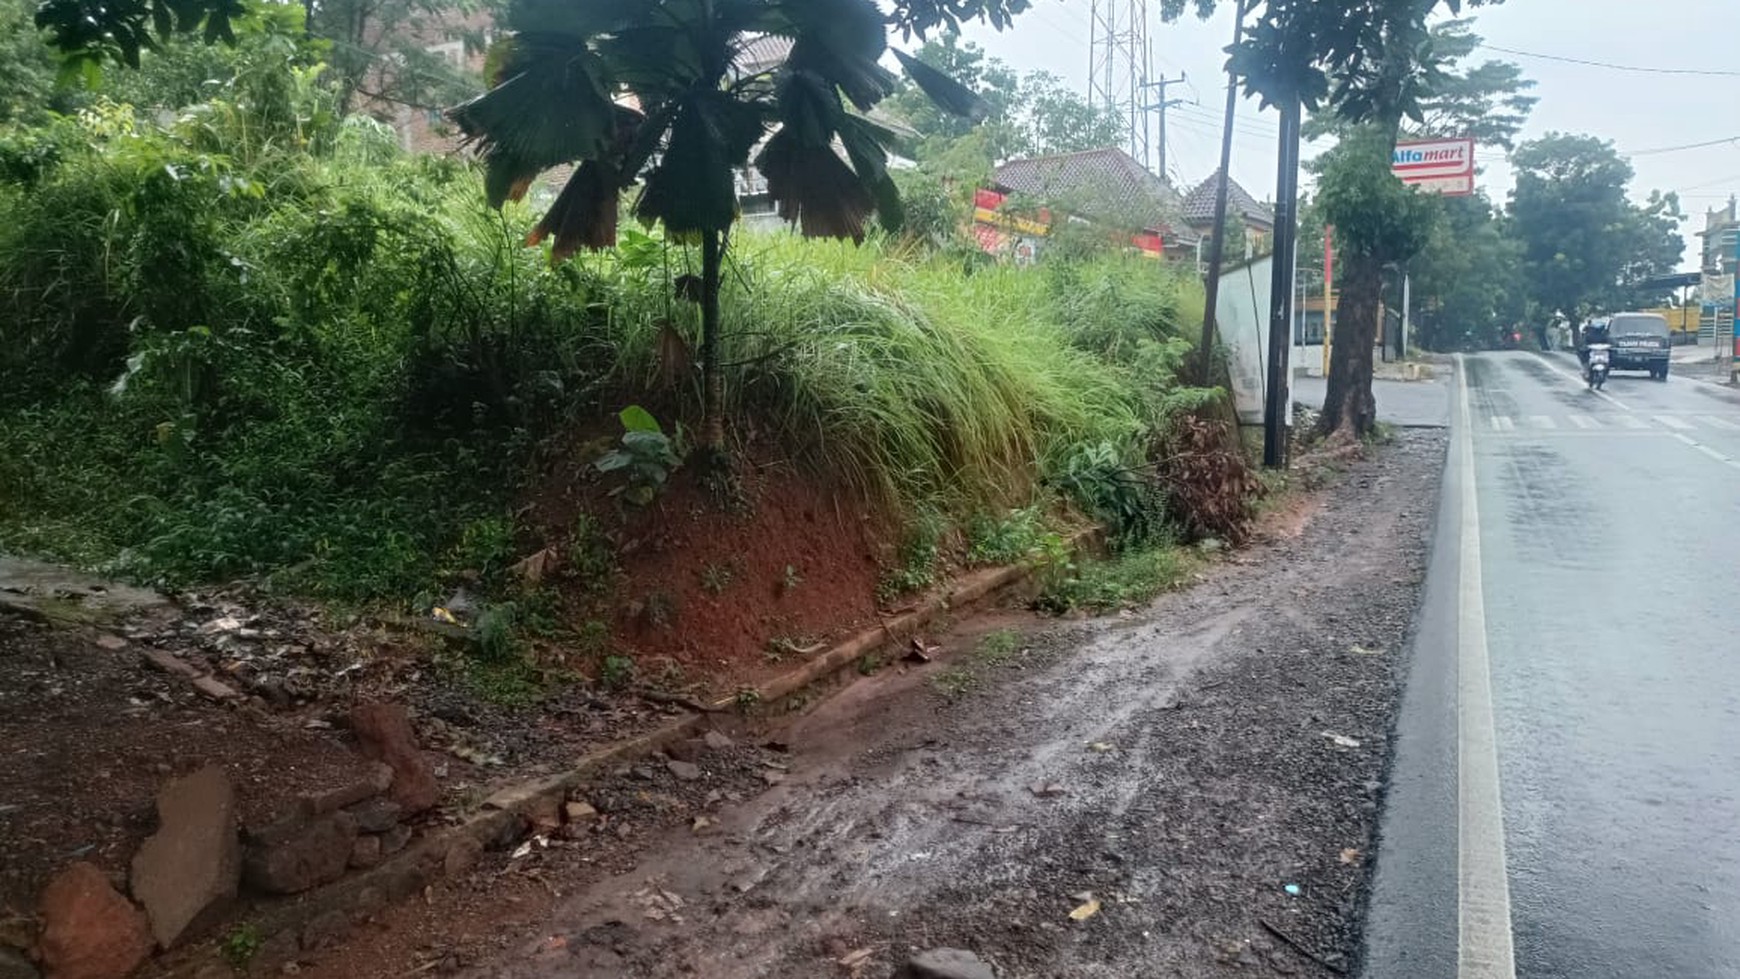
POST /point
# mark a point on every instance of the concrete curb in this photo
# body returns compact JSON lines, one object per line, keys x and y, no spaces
{"x":320,"y":918}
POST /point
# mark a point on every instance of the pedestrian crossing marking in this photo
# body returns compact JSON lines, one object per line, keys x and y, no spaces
{"x":1629,"y":421}
{"x":1502,"y":423}
{"x":1722,"y":423}
{"x":1670,"y":421}
{"x":1584,"y":421}
{"x":1542,"y":421}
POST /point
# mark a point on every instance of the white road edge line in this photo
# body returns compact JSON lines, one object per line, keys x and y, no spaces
{"x":1580,"y":383}
{"x":1712,"y":453}
{"x":1484,"y":943}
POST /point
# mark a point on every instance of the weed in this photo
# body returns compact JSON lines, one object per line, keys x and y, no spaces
{"x":918,"y":558}
{"x":592,"y":638}
{"x":591,"y":556}
{"x":660,"y":610}
{"x":646,"y":458}
{"x":513,"y":683}
{"x":715,"y":578}
{"x":241,"y":945}
{"x":747,"y":699}
{"x":1015,"y":537}
{"x":996,"y":648}
{"x":497,"y":633}
{"x":1122,"y":581}
{"x":791,"y":580}
{"x":869,"y":664}
{"x":616,"y":672}
{"x":954,"y":682}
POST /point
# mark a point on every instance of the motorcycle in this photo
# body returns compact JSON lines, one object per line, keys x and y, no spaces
{"x":1595,"y":368}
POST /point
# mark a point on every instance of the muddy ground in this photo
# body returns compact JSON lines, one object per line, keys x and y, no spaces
{"x":1197,"y":782}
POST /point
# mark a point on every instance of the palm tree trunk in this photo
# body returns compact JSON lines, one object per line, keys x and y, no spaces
{"x":712,"y":383}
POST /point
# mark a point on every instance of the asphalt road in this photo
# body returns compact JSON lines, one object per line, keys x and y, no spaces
{"x":1565,"y":799}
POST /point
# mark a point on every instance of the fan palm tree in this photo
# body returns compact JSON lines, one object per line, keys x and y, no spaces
{"x":650,"y":92}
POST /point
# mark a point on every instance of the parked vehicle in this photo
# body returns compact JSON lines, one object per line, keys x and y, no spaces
{"x":1640,"y":343}
{"x":1596,"y":366}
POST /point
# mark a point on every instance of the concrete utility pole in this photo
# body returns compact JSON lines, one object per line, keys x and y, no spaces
{"x":1161,"y":106}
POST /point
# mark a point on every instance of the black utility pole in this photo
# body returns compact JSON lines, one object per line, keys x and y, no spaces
{"x":1217,"y":242}
{"x":1281,"y":287}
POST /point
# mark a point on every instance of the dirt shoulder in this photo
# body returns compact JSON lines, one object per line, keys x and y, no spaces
{"x":1205,"y":772}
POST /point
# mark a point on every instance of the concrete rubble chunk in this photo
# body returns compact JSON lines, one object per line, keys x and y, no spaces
{"x":89,"y":931}
{"x":384,"y":734}
{"x":947,"y":963}
{"x":187,"y":873}
{"x":317,"y":854}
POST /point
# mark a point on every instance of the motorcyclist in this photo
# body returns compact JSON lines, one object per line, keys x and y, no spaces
{"x":1595,"y":332}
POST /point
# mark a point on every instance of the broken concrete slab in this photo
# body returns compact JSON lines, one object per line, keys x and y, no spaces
{"x":188,"y":872}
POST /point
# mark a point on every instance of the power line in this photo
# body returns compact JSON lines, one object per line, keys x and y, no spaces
{"x":1689,"y":146}
{"x":1708,"y":72}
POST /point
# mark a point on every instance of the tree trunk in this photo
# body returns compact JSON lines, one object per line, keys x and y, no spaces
{"x":712,"y":383}
{"x":1348,"y":405}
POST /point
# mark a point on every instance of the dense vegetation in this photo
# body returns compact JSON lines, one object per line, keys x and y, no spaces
{"x":257,"y":339}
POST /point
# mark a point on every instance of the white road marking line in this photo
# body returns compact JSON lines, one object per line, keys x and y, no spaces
{"x":1580,"y":383}
{"x":1670,"y":421}
{"x":1484,"y":945}
{"x":1584,"y":421}
{"x":1712,"y":453}
{"x":1723,"y":423}
{"x":1502,"y":423}
{"x":1543,"y":421}
{"x":1630,"y":421}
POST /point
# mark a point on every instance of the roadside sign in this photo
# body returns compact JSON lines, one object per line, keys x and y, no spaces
{"x":1436,"y":166}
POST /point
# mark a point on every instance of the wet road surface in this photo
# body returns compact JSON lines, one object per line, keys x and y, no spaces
{"x":1607,"y":529}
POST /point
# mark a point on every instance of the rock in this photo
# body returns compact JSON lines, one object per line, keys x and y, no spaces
{"x":325,"y":930}
{"x":366,"y":851}
{"x":167,"y":662}
{"x":717,"y":741}
{"x":215,"y":689}
{"x":13,"y":965}
{"x":384,"y":734}
{"x":690,"y":750}
{"x":89,"y":931}
{"x":187,"y":873}
{"x":461,"y":856}
{"x":683,"y":770}
{"x":579,"y":812}
{"x":947,"y":963}
{"x":378,"y":779}
{"x":376,"y":815}
{"x":111,"y":642}
{"x":314,"y":855}
{"x":394,"y":840}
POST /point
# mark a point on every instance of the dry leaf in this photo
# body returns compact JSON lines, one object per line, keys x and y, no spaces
{"x":1350,"y":856}
{"x":702,"y":822}
{"x":1100,"y":746}
{"x":853,"y":959}
{"x":1086,"y":911}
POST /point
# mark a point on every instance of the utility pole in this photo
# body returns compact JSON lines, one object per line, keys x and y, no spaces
{"x":1281,"y":285}
{"x":1161,"y":106}
{"x":1217,"y":244}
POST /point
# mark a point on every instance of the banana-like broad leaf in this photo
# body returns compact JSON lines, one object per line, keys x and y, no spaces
{"x":949,"y":95}
{"x":584,"y":214}
{"x":813,"y":188}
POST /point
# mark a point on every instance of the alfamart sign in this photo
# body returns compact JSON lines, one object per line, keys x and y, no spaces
{"x":1436,"y":166}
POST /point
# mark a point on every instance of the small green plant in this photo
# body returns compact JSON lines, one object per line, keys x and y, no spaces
{"x":791,"y":580}
{"x":715,"y":578}
{"x":918,"y":558}
{"x":593,"y":637}
{"x":646,"y":457}
{"x":954,"y":682}
{"x":747,"y":699}
{"x":616,"y":672}
{"x":591,"y":556}
{"x":1122,"y":497}
{"x":241,"y":945}
{"x":869,"y":664}
{"x":1123,"y":581}
{"x":1015,"y":537}
{"x":497,"y":633}
{"x":660,"y":610}
{"x":997,"y":647}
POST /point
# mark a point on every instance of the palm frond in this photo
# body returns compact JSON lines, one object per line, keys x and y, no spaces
{"x":813,"y":188}
{"x":584,"y":214}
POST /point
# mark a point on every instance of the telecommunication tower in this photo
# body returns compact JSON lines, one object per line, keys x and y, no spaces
{"x":1120,"y":65}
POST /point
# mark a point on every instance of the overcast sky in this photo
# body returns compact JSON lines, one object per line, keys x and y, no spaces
{"x":1638,"y":111}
